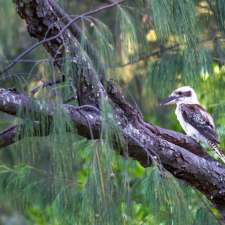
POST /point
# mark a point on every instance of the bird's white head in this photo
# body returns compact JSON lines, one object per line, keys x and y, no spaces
{"x":182,"y":95}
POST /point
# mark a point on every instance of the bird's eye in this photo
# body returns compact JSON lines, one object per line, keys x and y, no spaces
{"x":179,"y":93}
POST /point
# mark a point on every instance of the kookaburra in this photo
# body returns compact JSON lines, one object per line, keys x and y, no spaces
{"x":194,"y":119}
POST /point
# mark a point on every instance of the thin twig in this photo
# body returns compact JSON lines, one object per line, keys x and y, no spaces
{"x":48,"y":84}
{"x":148,"y":55}
{"x":159,"y":52}
{"x":36,"y":45}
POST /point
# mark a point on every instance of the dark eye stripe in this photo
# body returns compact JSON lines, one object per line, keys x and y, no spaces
{"x":184,"y":94}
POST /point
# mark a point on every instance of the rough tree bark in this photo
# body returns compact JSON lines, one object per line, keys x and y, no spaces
{"x":178,"y":154}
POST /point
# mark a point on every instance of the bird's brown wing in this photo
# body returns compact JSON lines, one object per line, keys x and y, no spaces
{"x":198,"y":118}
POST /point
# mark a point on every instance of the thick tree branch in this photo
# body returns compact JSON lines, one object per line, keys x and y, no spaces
{"x":208,"y":176}
{"x":15,"y":133}
{"x":9,"y":136}
{"x":18,"y":104}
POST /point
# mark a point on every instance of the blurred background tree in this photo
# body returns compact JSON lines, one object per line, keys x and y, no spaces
{"x":149,"y":47}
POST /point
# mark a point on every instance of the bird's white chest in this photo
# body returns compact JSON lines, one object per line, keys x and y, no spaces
{"x":189,"y":130}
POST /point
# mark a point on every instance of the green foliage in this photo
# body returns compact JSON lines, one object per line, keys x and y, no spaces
{"x":219,"y":11}
{"x":101,"y":37}
{"x":174,"y":18}
{"x":66,"y":179}
{"x":127,"y":36}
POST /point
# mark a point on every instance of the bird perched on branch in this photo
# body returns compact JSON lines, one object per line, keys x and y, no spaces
{"x":194,"y":119}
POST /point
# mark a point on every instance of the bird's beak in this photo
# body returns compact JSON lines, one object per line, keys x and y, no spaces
{"x":169,"y":100}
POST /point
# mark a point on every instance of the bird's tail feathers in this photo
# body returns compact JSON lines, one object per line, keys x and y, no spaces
{"x":217,"y":150}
